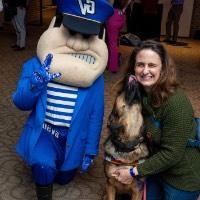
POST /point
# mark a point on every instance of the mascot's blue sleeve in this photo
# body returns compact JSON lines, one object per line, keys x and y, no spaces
{"x":24,"y":97}
{"x":96,"y":120}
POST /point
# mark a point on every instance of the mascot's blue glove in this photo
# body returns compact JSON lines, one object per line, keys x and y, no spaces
{"x":87,"y":161}
{"x":42,"y":77}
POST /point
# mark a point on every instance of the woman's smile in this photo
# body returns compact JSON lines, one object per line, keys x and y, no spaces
{"x":147,"y":68}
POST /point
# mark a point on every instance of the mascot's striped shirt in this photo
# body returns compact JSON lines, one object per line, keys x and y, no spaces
{"x":61,"y":100}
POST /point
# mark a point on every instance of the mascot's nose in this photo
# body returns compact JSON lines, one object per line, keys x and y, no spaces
{"x":78,"y":42}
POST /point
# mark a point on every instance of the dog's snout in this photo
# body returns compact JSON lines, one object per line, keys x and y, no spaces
{"x":115,"y":128}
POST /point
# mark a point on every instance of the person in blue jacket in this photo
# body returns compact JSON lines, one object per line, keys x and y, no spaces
{"x":63,"y":87}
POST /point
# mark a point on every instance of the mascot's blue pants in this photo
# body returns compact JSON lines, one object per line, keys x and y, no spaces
{"x":48,"y":156}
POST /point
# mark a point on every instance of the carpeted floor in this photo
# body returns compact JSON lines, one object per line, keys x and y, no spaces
{"x":15,"y":176}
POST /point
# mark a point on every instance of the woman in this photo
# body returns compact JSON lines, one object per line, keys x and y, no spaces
{"x":172,"y":170}
{"x":113,"y":27}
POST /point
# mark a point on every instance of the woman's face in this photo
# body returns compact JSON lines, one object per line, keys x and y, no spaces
{"x":148,"y":67}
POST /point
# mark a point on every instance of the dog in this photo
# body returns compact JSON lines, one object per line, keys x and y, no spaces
{"x":125,"y":145}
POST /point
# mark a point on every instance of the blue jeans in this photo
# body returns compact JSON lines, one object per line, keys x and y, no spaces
{"x":157,"y":189}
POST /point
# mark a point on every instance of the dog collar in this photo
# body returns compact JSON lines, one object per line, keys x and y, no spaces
{"x":112,"y":160}
{"x":127,"y":147}
{"x":115,"y":161}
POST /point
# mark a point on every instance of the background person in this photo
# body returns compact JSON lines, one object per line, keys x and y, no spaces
{"x":150,"y":20}
{"x":19,"y":23}
{"x":172,"y":170}
{"x":134,"y":14}
{"x":113,"y":27}
{"x":1,"y":14}
{"x":173,"y":18}
{"x":144,"y":19}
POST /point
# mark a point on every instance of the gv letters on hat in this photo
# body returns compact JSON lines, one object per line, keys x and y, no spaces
{"x":85,"y":16}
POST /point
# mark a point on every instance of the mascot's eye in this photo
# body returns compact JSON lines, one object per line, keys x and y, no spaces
{"x":86,"y":36}
{"x":72,"y":32}
{"x":102,"y":33}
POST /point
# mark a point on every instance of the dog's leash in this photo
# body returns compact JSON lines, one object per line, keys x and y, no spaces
{"x":145,"y":192}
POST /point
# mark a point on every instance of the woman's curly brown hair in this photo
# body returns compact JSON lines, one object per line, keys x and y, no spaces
{"x":167,"y":83}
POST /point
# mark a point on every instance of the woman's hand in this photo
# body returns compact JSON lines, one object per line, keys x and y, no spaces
{"x":123,"y":175}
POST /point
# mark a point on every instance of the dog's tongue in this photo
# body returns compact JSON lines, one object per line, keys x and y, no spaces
{"x":132,"y":78}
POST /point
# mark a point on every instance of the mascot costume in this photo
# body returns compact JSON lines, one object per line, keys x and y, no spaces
{"x":63,"y":87}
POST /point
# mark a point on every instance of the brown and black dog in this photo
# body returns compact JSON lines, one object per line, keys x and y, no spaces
{"x":125,"y":144}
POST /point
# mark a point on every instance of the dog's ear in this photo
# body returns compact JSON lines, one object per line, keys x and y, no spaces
{"x":131,"y":90}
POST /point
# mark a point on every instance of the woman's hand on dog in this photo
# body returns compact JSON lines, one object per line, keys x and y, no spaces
{"x":122,"y":174}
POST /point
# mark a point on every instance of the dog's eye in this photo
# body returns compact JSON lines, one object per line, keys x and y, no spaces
{"x":121,"y":110}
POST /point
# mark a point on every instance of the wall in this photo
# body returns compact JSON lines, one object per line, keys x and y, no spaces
{"x":48,"y":11}
{"x":195,"y":25}
{"x":186,"y":17}
{"x":33,"y":12}
{"x":186,"y":29}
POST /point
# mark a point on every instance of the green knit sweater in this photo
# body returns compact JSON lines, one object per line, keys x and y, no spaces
{"x":177,"y":164}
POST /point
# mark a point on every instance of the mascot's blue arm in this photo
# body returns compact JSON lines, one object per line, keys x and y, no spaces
{"x":96,"y":120}
{"x":25,"y":97}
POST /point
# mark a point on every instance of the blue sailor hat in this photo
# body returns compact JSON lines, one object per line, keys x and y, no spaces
{"x":85,"y":16}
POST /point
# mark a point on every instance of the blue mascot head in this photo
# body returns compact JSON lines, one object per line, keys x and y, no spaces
{"x":75,"y":39}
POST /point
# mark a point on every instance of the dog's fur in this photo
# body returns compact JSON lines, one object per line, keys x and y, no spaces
{"x":125,"y":141}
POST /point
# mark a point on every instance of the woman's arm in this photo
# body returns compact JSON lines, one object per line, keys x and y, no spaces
{"x":177,"y":127}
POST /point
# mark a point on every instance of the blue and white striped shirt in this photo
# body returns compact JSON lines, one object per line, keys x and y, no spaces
{"x":61,"y":100}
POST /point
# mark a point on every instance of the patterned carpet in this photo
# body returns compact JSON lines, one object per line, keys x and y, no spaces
{"x":15,"y":176}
